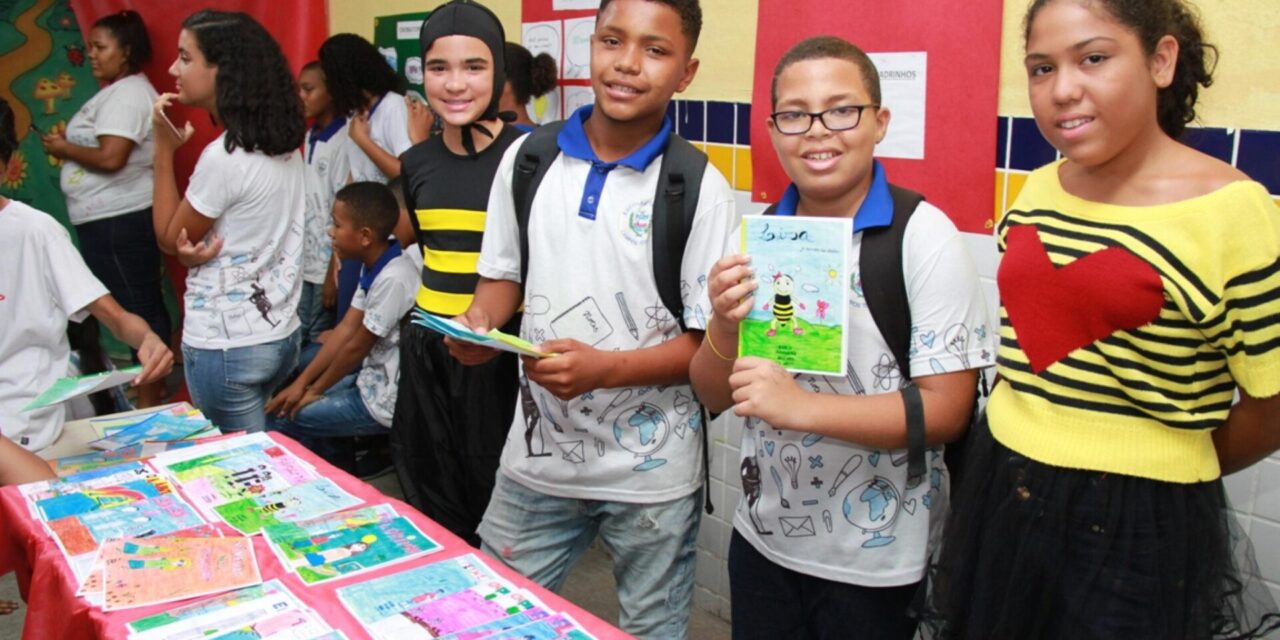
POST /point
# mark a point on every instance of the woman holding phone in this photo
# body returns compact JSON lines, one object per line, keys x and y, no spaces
{"x":106,"y":175}
{"x":239,"y":227}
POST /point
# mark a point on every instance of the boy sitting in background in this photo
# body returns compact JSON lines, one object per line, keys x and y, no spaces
{"x":330,"y":397}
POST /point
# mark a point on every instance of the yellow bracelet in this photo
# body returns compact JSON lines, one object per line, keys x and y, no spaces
{"x":713,"y":345}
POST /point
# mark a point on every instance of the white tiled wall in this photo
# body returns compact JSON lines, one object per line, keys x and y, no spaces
{"x":1254,"y":493}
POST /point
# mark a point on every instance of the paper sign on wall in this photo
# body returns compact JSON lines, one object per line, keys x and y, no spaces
{"x":902,"y":91}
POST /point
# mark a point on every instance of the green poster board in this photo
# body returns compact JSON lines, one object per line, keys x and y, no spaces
{"x":45,"y":77}
{"x":396,"y":37}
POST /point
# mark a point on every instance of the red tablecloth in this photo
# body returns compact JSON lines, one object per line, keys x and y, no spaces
{"x":54,"y":611}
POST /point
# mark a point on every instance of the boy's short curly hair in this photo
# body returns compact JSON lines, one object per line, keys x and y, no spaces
{"x":372,"y":205}
{"x":257,"y":97}
{"x":353,"y":66}
{"x":828,"y":47}
{"x":690,"y":12}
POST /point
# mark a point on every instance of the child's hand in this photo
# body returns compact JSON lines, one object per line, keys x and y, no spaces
{"x":194,"y":255}
{"x":359,"y":127}
{"x":291,"y":400}
{"x":731,"y":286}
{"x":156,"y":359}
{"x":167,"y":139}
{"x":420,"y":119}
{"x":575,"y":370}
{"x":469,"y":353}
{"x":763,"y":389}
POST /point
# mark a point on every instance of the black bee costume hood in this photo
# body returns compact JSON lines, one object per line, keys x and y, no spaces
{"x":465,"y":18}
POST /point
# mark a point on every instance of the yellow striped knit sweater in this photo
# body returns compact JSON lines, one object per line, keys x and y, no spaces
{"x":1126,"y":330}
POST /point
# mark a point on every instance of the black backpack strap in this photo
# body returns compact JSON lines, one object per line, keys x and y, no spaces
{"x":885,"y":289}
{"x":674,"y":206}
{"x":537,"y":152}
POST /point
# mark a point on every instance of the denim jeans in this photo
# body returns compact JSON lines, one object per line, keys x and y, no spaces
{"x":232,"y":386}
{"x":313,"y":315}
{"x":654,"y":548}
{"x":339,"y":413}
{"x":770,"y":601}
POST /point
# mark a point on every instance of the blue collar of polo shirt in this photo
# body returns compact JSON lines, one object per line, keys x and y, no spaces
{"x":369,"y":274}
{"x":323,"y":135}
{"x":876,"y":209}
{"x":573,"y":142}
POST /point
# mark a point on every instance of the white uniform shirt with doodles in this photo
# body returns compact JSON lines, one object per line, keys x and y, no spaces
{"x":249,"y":293}
{"x":384,"y":301}
{"x":839,"y":511}
{"x":591,"y":279}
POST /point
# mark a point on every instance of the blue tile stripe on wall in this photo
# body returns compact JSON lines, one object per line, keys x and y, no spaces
{"x":1019,"y":145}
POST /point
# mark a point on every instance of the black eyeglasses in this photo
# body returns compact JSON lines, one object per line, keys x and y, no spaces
{"x":842,"y":118}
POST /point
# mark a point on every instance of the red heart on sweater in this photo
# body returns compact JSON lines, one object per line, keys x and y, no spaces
{"x":1056,"y":310}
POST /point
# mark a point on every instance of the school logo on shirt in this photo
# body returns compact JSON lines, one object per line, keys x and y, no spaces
{"x":638,"y":221}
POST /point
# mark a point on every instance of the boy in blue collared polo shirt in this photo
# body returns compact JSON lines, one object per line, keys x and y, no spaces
{"x":349,"y":388}
{"x":607,"y":438}
{"x":842,"y":552}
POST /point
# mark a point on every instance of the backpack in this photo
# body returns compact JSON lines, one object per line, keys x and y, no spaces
{"x":674,"y":204}
{"x":885,"y":289}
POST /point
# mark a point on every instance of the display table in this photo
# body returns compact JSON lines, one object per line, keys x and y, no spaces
{"x":49,"y":587}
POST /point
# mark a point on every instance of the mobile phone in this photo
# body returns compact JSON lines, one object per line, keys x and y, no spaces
{"x":164,"y":116}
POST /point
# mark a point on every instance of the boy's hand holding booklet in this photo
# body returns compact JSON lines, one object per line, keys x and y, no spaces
{"x":494,"y":339}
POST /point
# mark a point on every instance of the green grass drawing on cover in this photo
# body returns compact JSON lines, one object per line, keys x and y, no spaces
{"x":817,"y":349}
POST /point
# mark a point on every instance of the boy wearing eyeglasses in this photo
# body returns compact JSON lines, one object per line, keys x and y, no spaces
{"x":830,"y":537}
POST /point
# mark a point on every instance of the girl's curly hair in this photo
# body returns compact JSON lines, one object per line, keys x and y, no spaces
{"x":353,"y":66}
{"x":1152,"y":20}
{"x":257,"y":98}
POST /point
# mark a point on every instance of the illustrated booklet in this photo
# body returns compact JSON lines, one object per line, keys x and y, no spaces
{"x":801,"y":303}
{"x":347,"y":543}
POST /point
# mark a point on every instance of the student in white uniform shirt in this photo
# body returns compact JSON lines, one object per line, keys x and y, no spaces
{"x":43,"y":284}
{"x":243,"y":210}
{"x":364,"y":87}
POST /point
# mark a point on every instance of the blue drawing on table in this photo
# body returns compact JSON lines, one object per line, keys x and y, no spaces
{"x":873,"y":506}
{"x":643,"y":430}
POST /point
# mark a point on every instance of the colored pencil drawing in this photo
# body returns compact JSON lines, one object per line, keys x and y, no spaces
{"x":800,"y":307}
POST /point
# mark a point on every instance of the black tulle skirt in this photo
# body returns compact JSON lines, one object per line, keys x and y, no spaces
{"x":1037,"y":551}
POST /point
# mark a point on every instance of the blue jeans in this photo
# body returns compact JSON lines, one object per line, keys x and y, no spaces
{"x":232,"y":386}
{"x":771,"y":601}
{"x":315,"y":318}
{"x":654,"y":548}
{"x":339,"y":413}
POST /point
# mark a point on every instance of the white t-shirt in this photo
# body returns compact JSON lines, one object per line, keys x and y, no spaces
{"x":249,"y":293}
{"x":389,"y":129}
{"x":592,"y":280}
{"x":830,"y":508}
{"x":43,"y":283}
{"x":121,"y":109}
{"x":389,"y":298}
{"x":326,"y":173}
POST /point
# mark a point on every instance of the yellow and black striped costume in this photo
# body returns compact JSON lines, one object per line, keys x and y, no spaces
{"x":783,"y":310}
{"x":450,"y":421}
{"x":1126,"y":330}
